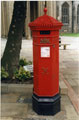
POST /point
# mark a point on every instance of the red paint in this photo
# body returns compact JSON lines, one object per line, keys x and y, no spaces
{"x":45,"y":10}
{"x":46,"y":69}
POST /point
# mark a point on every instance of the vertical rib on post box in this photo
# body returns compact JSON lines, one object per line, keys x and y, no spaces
{"x":45,"y":32}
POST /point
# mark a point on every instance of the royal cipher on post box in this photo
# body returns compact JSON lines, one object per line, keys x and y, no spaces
{"x":45,"y":32}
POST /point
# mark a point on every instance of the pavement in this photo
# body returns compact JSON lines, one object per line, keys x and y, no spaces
{"x":69,"y":65}
{"x":69,"y":62}
{"x":19,"y":107}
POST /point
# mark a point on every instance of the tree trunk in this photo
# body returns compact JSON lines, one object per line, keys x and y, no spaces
{"x":10,"y":59}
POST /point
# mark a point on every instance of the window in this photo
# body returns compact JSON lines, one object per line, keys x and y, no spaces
{"x":78,"y":14}
{"x":65,"y":13}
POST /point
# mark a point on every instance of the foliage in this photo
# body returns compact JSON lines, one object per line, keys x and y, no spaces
{"x":70,"y":34}
{"x":23,"y":62}
{"x":4,"y":74}
{"x":29,"y":62}
{"x":21,"y":74}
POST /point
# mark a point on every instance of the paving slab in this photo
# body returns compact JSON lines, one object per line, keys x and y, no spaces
{"x":9,"y":98}
{"x":14,"y":110}
{"x":6,"y":118}
{"x":22,"y":110}
{"x":32,"y":115}
{"x":63,"y":88}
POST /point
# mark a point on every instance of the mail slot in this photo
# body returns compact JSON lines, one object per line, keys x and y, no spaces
{"x":45,"y":32}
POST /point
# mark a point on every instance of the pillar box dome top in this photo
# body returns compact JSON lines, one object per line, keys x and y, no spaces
{"x":45,"y":22}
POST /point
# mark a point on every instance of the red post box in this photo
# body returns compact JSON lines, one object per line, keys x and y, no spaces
{"x":45,"y":32}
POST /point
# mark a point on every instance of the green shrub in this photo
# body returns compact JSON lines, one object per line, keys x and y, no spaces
{"x":21,"y":74}
{"x":29,"y":62}
{"x":23,"y":62}
{"x":4,"y":74}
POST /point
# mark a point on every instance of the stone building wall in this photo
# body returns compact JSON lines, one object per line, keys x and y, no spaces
{"x":34,"y":10}
{"x":7,"y":9}
{"x":72,"y":26}
{"x":38,"y":6}
{"x":67,"y":27}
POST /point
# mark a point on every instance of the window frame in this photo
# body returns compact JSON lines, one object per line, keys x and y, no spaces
{"x":65,"y":13}
{"x":78,"y":14}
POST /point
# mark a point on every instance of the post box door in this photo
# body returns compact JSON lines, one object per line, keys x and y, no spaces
{"x":48,"y":70}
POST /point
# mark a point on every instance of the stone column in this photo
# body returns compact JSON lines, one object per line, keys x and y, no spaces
{"x":9,"y":13}
{"x":6,"y":15}
{"x":40,"y":8}
{"x":2,"y":20}
{"x":70,"y":17}
{"x":49,"y":8}
{"x":60,"y":13}
{"x":75,"y":18}
{"x":54,"y":11}
{"x":27,"y":21}
{"x":5,"y":21}
{"x":53,"y":8}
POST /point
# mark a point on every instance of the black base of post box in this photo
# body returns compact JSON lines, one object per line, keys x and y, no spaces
{"x":46,"y":105}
